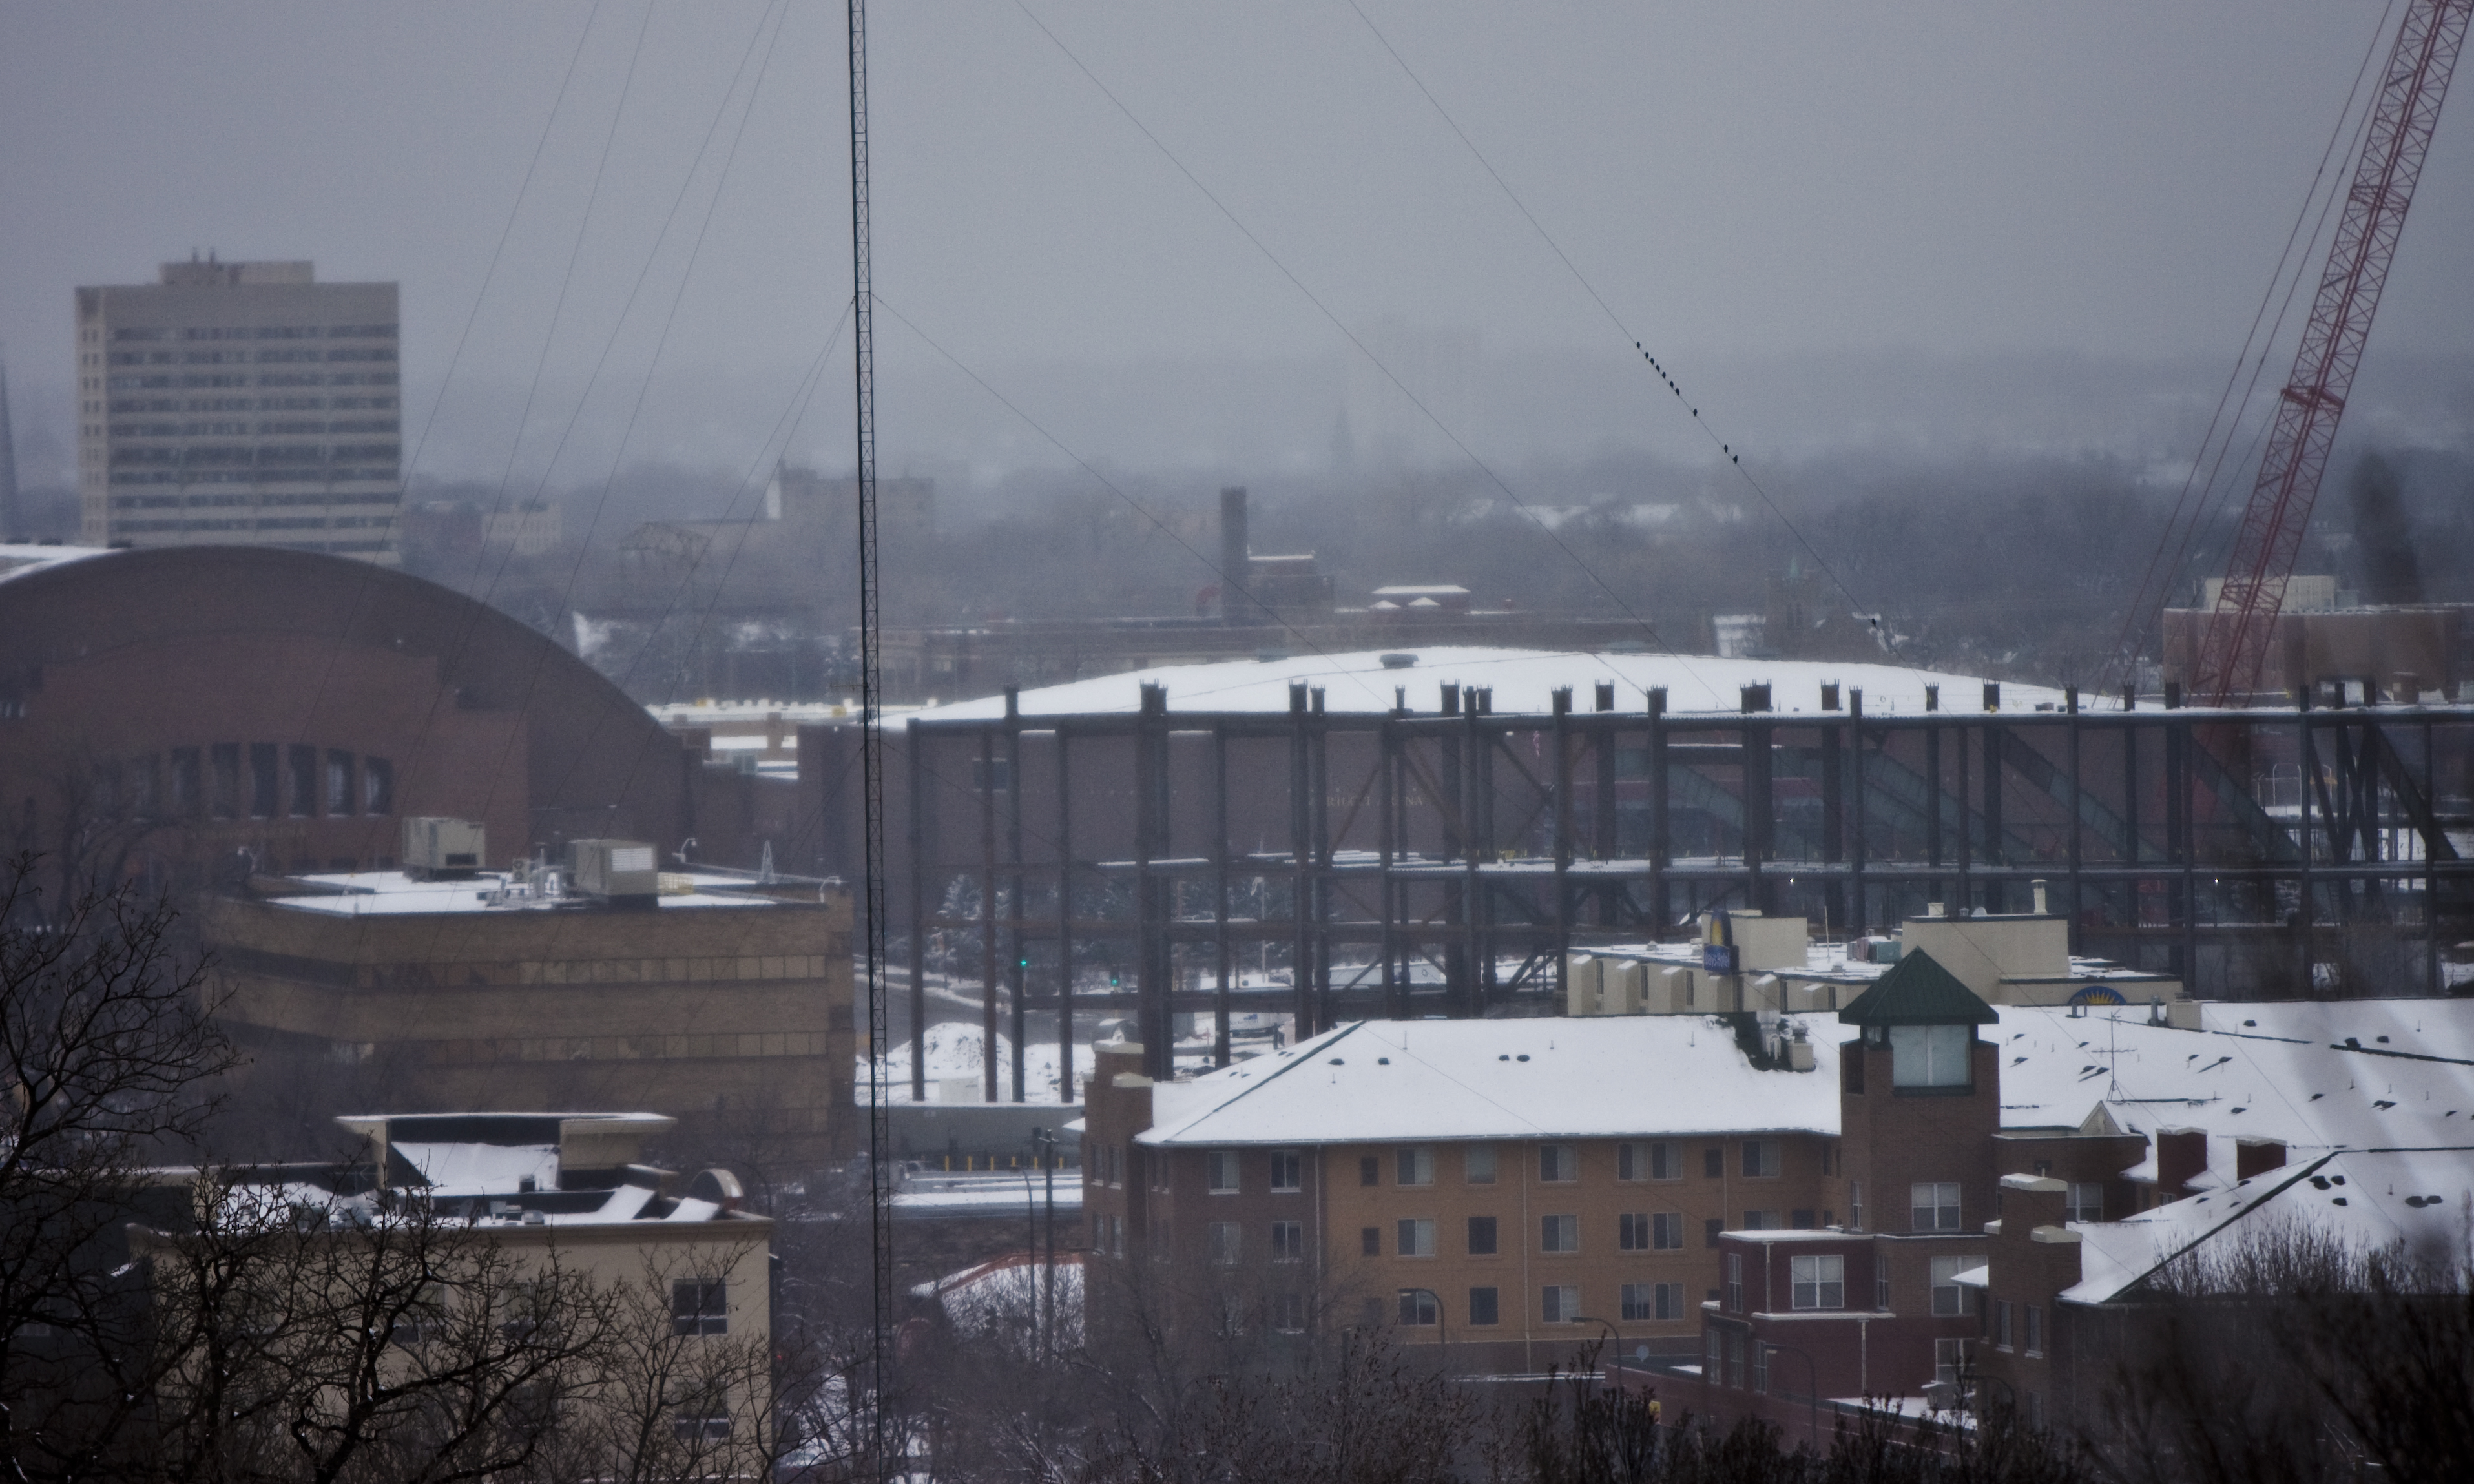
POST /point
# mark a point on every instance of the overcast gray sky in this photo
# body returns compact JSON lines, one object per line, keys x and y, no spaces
{"x":1744,"y":185}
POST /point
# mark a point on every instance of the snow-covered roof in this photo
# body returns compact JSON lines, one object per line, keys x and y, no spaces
{"x":1523,"y":682}
{"x":1550,"y":1078}
{"x":17,"y":560}
{"x":1004,"y":1292}
{"x":396,"y":893}
{"x":1618,"y":1076}
{"x":2344,"y":1075}
{"x":2368,"y":1198}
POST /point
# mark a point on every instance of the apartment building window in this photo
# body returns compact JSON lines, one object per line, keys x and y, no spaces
{"x":1289,"y":1313}
{"x":1855,"y":1204}
{"x":1761,"y":1159}
{"x":1801,"y":1219}
{"x":2031,"y":1333}
{"x":1882,"y":1283}
{"x":1710,"y":1231}
{"x":1415,"y":1167}
{"x":1669,"y":1302}
{"x":1287,"y":1168}
{"x":1631,"y":1231}
{"x":700,"y":1306}
{"x":1666,"y":1231}
{"x":1949,"y":1358}
{"x":1482,"y":1306}
{"x":1735,"y":1282}
{"x":1224,"y":1240}
{"x":1714,"y":1162}
{"x":2085,"y":1201}
{"x":1558,"y":1164}
{"x":1369,"y":1170}
{"x":1818,"y":1282}
{"x":2000,"y":1323}
{"x":1370,"y":1241}
{"x":1761,"y":1221}
{"x":695,"y":1427}
{"x":1735,"y":1359}
{"x":1934,"y":1205}
{"x":1477,"y":1164}
{"x":1560,"y":1303}
{"x":1931,"y":1056}
{"x":1219,"y":1170}
{"x":1558,"y":1233}
{"x":1418,"y":1306}
{"x":1481,"y":1237}
{"x":1760,"y":1365}
{"x":1949,"y":1298}
{"x":1288,"y":1241}
{"x":1637,"y":1300}
{"x":1713,"y":1360}
{"x":1654,"y":1161}
{"x":1416,"y":1236}
{"x":377,"y":786}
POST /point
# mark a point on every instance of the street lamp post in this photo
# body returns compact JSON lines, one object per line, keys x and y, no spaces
{"x":1045,"y":1141}
{"x":1812,"y":1388}
{"x":1615,"y":1341}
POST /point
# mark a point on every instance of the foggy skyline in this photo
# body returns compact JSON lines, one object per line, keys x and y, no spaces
{"x":1772,"y":202}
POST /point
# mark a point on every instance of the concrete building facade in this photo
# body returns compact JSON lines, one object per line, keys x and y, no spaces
{"x":241,"y":404}
{"x":726,"y":1008}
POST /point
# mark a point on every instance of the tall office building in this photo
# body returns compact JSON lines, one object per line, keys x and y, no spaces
{"x":240,"y":404}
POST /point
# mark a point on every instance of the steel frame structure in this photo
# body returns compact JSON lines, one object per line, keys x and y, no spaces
{"x":1432,"y":863}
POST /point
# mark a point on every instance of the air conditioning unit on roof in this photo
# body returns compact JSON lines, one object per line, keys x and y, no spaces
{"x":616,"y":871}
{"x":437,"y":847}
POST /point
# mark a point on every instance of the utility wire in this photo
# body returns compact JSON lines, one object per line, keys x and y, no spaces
{"x":1311,"y":298}
{"x":1726,"y":451}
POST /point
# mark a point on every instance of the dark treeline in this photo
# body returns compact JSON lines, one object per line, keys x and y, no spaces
{"x":2015,"y":565}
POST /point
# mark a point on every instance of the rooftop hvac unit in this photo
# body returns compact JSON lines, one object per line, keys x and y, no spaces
{"x":436,"y":847}
{"x":615,"y":870}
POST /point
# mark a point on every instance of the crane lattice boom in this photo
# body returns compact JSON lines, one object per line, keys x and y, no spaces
{"x":2234,"y":645}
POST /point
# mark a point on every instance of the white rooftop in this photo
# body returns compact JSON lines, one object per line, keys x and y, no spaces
{"x":1523,"y":682}
{"x":396,"y":894}
{"x":2380,"y":1197}
{"x":19,"y":559}
{"x":2277,"y":1071}
{"x":1548,"y":1078}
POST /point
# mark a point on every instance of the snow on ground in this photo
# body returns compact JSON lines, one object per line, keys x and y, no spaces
{"x":957,"y":1050}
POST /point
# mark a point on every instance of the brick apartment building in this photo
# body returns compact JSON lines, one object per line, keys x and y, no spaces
{"x":1964,"y":1196}
{"x":1512,"y":1190}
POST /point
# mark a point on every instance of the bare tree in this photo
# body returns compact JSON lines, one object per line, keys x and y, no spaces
{"x":104,"y":1046}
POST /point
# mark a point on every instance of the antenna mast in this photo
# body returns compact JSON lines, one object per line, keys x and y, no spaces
{"x":871,"y":754}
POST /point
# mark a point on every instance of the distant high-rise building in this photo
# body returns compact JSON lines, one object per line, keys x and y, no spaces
{"x":240,"y":404}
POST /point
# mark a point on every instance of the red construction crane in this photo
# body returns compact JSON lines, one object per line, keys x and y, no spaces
{"x":2233,"y":641}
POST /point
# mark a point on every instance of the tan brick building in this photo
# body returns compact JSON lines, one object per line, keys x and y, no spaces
{"x":1513,"y":1191}
{"x":726,"y":1008}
